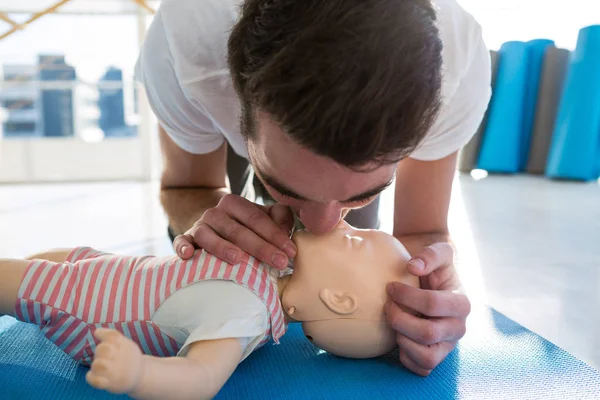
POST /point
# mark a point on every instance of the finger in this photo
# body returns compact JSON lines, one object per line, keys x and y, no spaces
{"x":282,"y":216}
{"x":100,"y":367}
{"x":234,"y":232}
{"x":99,"y":382}
{"x":426,"y":357}
{"x":184,"y":245}
{"x":259,"y":222}
{"x":104,"y":334}
{"x":432,"y":303}
{"x":422,"y":330}
{"x":103,"y":350}
{"x":437,"y":255}
{"x":412,"y":366}
{"x":206,"y":237}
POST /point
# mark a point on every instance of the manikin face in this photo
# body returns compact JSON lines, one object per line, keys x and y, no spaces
{"x":320,"y":191}
{"x":338,"y":288}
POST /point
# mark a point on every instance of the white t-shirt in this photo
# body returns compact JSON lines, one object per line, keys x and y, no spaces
{"x":213,"y":309}
{"x":183,"y":68}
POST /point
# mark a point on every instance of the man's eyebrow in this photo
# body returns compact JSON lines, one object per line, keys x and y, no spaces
{"x":286,"y":191}
{"x":280,"y":187}
{"x":369,"y":193}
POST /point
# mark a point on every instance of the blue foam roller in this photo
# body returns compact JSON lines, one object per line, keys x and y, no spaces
{"x":500,"y":149}
{"x":497,"y":359}
{"x":535,"y":61}
{"x":575,"y":146}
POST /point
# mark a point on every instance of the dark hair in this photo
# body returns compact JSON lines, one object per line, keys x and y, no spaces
{"x":357,"y":81}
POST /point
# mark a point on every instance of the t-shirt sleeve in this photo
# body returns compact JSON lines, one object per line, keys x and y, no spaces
{"x":245,"y":330}
{"x":211,"y":310}
{"x":183,"y":118}
{"x":462,"y":112}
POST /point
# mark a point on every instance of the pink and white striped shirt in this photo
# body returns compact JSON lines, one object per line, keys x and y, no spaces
{"x":92,"y":289}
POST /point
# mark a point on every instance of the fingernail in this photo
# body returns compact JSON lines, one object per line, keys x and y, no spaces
{"x":279,"y":260}
{"x":183,"y":249}
{"x":418,"y":263}
{"x":290,"y":249}
{"x":231,"y":255}
{"x":390,"y":288}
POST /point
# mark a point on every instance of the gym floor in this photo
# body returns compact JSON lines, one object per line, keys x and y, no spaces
{"x":528,"y":246}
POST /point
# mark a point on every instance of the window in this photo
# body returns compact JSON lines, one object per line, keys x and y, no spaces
{"x":18,"y":128}
{"x":67,"y":90}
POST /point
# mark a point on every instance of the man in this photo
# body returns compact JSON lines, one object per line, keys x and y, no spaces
{"x":330,"y":101}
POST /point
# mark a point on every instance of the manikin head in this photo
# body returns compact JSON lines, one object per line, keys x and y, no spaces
{"x":333,"y":95}
{"x":338,"y":289}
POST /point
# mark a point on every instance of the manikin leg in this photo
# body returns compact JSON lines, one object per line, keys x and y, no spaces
{"x":11,"y":274}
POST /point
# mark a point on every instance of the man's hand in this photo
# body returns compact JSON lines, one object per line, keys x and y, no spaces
{"x":117,"y":365}
{"x":426,"y":339}
{"x":235,"y":225}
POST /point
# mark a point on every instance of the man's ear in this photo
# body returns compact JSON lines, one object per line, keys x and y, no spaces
{"x":342,"y":303}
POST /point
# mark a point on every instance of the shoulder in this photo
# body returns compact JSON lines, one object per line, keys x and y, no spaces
{"x":183,"y":68}
{"x":196,"y":34}
{"x":461,"y":37}
{"x":466,"y":83}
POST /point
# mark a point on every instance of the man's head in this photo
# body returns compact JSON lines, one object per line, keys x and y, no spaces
{"x":340,"y":90}
{"x":338,"y":289}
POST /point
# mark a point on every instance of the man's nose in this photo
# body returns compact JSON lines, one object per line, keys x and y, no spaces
{"x":320,"y":218}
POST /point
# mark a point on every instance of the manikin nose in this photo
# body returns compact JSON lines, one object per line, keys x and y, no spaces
{"x":320,"y":218}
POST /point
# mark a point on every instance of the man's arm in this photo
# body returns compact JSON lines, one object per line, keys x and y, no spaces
{"x":190,"y":183}
{"x":203,"y":212}
{"x":422,"y":197}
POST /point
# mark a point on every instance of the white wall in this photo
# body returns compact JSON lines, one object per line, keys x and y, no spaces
{"x":71,"y":159}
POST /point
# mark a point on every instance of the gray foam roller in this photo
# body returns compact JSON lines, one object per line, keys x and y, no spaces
{"x":469,"y":154}
{"x":556,"y":62}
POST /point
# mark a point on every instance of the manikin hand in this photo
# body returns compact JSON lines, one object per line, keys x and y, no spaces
{"x":425,"y":341}
{"x":235,"y":225}
{"x":117,"y":365}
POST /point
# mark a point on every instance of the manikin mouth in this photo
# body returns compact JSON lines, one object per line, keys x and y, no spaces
{"x":310,"y":338}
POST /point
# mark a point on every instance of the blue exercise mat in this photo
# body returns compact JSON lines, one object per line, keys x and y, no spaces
{"x":575,"y":147}
{"x":497,"y":359}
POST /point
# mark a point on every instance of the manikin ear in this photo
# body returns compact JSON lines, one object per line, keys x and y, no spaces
{"x":342,"y":303}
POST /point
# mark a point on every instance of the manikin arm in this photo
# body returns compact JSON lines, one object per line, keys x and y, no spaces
{"x":200,"y":375}
{"x":120,"y":367}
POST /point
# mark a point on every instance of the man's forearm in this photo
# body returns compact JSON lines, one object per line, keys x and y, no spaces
{"x":184,"y":206}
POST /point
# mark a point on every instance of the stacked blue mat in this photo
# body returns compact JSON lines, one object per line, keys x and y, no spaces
{"x":497,"y":359}
{"x":574,"y":151}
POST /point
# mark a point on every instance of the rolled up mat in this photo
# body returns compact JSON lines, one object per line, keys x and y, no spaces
{"x":468,"y":155}
{"x":535,"y":59}
{"x":496,"y":359}
{"x":501,"y":142}
{"x":576,"y":139}
{"x":552,"y":81}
